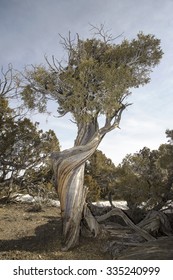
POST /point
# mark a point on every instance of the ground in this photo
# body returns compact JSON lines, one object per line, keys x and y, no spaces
{"x":37,"y":235}
{"x":28,"y":235}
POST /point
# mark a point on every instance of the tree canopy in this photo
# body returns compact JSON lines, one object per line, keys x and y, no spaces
{"x":97,"y":77}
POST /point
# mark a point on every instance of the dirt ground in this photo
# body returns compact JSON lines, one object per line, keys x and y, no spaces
{"x":31,"y":235}
{"x":28,"y":235}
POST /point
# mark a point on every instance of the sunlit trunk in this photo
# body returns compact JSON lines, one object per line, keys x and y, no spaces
{"x":72,"y":200}
{"x":69,"y":168}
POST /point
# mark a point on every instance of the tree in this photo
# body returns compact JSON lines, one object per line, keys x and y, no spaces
{"x":95,"y":81}
{"x":141,"y":180}
{"x":24,"y":149}
{"x":146,"y":177}
{"x":93,"y":188}
{"x":166,"y":163}
{"x":102,"y":171}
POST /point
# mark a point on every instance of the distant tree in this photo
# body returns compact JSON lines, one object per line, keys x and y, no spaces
{"x":103,"y":171}
{"x":166,"y":163}
{"x":140,"y":179}
{"x":95,"y":81}
{"x":93,"y":188}
{"x":169,"y":134}
{"x":24,"y":149}
{"x":146,"y":178}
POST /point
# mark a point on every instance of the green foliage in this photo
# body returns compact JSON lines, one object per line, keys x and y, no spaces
{"x":93,"y":188}
{"x":97,"y":78}
{"x":142,"y":179}
{"x":24,"y":149}
{"x":169,"y":134}
{"x":146,"y":178}
{"x":101,"y":172}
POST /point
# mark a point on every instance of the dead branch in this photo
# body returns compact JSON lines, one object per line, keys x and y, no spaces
{"x":113,"y":121}
{"x":119,"y":212}
{"x":103,"y":33}
{"x":6,"y":82}
{"x":155,"y":221}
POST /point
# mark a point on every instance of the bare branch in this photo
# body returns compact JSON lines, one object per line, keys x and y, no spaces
{"x":105,"y":34}
{"x":113,"y":121}
{"x":55,"y":64}
{"x":67,"y":42}
{"x":56,"y":67}
{"x":6,"y":83}
{"x":55,"y":70}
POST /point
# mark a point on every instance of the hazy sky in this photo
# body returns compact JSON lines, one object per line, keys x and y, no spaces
{"x":29,"y":29}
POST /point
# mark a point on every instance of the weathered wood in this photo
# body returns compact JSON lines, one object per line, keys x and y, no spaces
{"x":91,"y":221}
{"x":159,"y":249}
{"x":119,"y":212}
{"x":155,"y":221}
{"x":68,"y":168}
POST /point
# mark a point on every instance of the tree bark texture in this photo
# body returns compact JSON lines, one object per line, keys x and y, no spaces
{"x":116,"y":211}
{"x":69,"y":168}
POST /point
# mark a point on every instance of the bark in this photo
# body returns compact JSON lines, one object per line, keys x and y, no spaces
{"x":69,"y":168}
{"x":119,"y":212}
{"x":69,"y":177}
{"x":156,"y":221}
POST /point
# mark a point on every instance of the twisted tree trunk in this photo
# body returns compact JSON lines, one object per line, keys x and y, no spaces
{"x":69,"y":168}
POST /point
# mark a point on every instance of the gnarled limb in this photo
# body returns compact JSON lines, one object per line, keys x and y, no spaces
{"x":119,"y":212}
{"x":155,"y":221}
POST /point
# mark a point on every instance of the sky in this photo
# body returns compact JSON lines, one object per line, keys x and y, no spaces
{"x":29,"y":30}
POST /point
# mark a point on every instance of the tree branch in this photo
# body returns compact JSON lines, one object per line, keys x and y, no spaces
{"x":6,"y":83}
{"x":119,"y":212}
{"x":113,"y":121}
{"x":104,"y":34}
